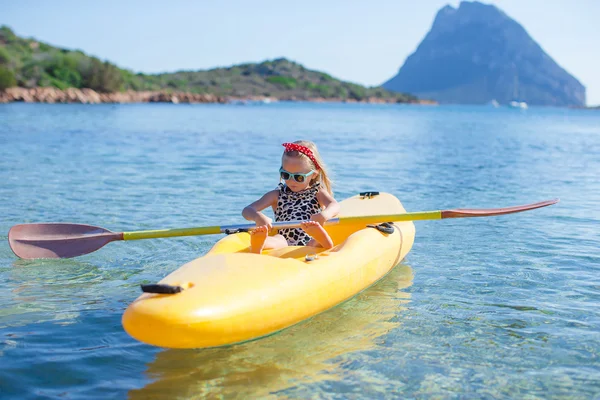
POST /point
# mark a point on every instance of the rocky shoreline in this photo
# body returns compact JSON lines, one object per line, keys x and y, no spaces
{"x":89,"y":96}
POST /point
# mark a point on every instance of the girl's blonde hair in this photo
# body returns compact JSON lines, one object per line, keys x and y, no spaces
{"x":322,"y":175}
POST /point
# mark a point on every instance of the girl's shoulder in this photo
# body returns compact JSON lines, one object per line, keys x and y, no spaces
{"x":271,"y":196}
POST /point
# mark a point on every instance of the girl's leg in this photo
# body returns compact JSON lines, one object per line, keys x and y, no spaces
{"x":259,"y":240}
{"x":318,"y":233}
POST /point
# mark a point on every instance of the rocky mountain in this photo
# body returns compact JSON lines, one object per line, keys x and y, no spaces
{"x":475,"y":54}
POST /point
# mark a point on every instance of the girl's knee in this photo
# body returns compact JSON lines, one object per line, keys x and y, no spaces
{"x":276,"y":242}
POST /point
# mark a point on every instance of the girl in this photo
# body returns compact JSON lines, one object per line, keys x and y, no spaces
{"x":305,"y":195}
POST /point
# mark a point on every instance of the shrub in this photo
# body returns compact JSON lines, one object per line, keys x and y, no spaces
{"x":283,"y":81}
{"x":6,"y":34}
{"x":7,"y":78}
{"x":4,"y":56}
{"x":324,"y":90}
{"x":357,"y":93}
{"x":102,"y":77}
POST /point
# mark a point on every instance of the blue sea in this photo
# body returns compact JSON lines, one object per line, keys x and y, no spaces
{"x":492,"y":308}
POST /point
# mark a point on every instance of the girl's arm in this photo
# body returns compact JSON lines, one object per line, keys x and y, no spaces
{"x":253,"y":212}
{"x":331,"y":207}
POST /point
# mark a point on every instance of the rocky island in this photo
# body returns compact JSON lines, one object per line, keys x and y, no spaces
{"x":477,"y":54}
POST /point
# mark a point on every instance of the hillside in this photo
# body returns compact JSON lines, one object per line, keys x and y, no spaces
{"x":30,"y":63}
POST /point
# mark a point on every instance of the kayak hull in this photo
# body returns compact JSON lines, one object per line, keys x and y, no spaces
{"x":231,"y":296}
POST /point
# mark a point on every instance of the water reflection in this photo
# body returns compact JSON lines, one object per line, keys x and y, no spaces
{"x":57,"y":290}
{"x":306,"y":353}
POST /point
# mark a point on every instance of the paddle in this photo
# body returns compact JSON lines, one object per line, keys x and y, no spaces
{"x":65,"y":240}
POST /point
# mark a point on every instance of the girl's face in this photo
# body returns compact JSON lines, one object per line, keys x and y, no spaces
{"x":298,"y":165}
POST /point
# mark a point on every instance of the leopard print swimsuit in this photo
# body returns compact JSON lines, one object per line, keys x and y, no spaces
{"x":292,"y":206}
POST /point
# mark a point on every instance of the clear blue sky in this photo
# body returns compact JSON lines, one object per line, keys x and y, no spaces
{"x":356,"y":40}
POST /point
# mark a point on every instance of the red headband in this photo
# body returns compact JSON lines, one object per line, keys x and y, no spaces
{"x":302,"y":149}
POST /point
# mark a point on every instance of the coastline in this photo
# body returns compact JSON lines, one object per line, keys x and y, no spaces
{"x":53,"y":95}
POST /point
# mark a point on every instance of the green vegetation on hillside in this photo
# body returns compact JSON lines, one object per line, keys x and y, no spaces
{"x":29,"y":63}
{"x":32,"y":63}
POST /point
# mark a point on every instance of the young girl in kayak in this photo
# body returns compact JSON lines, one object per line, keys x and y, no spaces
{"x":305,"y":194}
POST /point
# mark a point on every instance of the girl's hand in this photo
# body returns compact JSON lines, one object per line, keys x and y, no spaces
{"x":320,"y":218}
{"x":263,"y":220}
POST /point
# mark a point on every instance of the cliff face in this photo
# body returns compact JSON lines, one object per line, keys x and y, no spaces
{"x":475,"y":54}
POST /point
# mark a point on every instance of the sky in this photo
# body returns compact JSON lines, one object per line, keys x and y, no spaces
{"x":359,"y":41}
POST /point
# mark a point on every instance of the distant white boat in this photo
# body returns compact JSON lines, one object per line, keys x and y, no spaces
{"x":494,"y":103}
{"x":518,"y":104}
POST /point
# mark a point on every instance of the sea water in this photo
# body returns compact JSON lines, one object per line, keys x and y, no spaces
{"x":503,"y":307}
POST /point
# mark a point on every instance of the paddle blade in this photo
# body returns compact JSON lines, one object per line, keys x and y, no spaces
{"x":58,"y":240}
{"x":489,"y":212}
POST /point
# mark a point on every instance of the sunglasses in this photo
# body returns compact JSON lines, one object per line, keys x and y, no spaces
{"x":300,"y":178}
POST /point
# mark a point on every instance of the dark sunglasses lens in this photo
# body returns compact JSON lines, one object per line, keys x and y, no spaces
{"x":299,"y":178}
{"x":285,"y":176}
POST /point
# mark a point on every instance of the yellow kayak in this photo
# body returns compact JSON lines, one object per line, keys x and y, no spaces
{"x":231,"y":296}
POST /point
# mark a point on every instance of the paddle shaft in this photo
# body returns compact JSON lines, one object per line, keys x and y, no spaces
{"x":367,"y":219}
{"x":210,"y":230}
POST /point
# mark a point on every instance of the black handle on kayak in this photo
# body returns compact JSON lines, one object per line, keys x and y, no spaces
{"x":161,"y":288}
